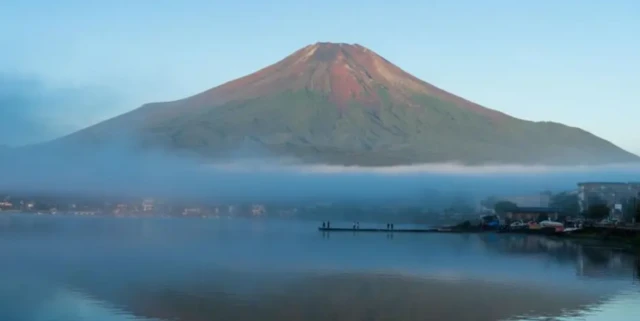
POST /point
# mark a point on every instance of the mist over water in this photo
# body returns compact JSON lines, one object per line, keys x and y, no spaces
{"x":106,"y":258}
{"x":121,"y":169}
{"x":105,"y":268}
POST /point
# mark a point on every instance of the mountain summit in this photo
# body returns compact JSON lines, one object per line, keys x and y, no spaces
{"x":345,"y":73}
{"x":344,"y":104}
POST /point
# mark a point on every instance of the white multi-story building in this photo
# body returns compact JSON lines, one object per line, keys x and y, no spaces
{"x":616,"y":195}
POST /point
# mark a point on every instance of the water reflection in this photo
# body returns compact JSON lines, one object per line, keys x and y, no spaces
{"x":170,"y":269}
{"x":590,"y":261}
{"x":358,"y":297}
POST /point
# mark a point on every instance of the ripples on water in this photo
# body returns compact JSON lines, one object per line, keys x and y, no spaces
{"x":68,"y":269}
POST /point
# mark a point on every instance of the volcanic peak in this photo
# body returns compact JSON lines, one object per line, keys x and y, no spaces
{"x":386,"y":116}
{"x":345,"y":73}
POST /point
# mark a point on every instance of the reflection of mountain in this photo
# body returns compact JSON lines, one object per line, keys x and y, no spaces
{"x":282,"y":270}
{"x":344,"y":297}
{"x":593,"y":262}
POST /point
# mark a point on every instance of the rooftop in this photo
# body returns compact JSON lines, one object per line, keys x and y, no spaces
{"x":539,"y":210}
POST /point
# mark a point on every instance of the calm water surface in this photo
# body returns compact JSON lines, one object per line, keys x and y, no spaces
{"x":109,"y":269}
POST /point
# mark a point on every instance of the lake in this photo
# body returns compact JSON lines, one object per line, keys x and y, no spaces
{"x":116,"y":269}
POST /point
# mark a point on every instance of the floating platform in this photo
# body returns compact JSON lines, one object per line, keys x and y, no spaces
{"x":346,"y":229}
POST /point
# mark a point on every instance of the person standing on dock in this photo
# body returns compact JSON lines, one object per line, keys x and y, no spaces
{"x":323,"y":224}
{"x":328,"y":224}
{"x":358,"y":225}
{"x":392,"y":226}
{"x":388,"y":226}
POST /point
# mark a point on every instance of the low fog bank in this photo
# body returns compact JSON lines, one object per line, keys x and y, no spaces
{"x":34,"y":110}
{"x":123,"y":171}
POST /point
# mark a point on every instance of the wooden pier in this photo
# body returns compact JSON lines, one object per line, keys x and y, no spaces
{"x":412,"y":230}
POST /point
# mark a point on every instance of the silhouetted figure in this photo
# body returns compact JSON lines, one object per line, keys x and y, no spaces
{"x":323,"y":224}
{"x":392,"y":226}
{"x":388,"y":226}
{"x":354,"y":225}
{"x":358,"y":225}
{"x":328,"y":224}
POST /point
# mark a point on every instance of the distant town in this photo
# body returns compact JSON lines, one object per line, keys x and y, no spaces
{"x":607,"y":201}
{"x":93,"y":206}
{"x":616,"y":201}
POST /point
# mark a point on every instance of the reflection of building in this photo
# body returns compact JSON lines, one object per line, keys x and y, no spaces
{"x":604,"y":263}
{"x":534,"y":214}
{"x":611,"y":193}
{"x":589,"y":262}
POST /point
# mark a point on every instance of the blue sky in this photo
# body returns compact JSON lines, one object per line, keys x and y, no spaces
{"x":74,"y":63}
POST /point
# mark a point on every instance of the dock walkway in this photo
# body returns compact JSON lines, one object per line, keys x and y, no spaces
{"x":411,"y":230}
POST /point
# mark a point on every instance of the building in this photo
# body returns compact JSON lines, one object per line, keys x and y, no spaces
{"x":147,"y":205}
{"x":613,"y":194}
{"x":258,"y":210}
{"x":533,"y":200}
{"x":6,"y":204}
{"x":536,"y":214}
{"x":192,"y":211}
{"x":120,"y":209}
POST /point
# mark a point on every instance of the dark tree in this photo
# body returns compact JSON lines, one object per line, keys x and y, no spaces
{"x":505,"y":207}
{"x":543,"y":217}
{"x":598,"y":211}
{"x":630,"y":207}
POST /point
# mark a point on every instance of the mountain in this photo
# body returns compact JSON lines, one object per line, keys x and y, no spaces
{"x":345,"y":104}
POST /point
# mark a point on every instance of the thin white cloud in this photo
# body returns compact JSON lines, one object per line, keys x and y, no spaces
{"x":435,"y":168}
